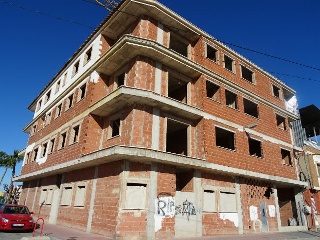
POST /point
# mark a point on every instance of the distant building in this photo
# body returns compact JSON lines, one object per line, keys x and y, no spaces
{"x":309,"y":162}
{"x":154,"y":129}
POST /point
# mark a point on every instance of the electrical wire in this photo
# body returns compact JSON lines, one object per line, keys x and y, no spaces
{"x":224,"y":42}
{"x":46,"y":14}
{"x":271,"y":56}
{"x":236,"y":45}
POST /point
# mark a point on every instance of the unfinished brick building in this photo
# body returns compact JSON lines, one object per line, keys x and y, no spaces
{"x":153,"y":129}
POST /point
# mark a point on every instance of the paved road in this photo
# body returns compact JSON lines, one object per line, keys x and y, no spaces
{"x":301,"y":235}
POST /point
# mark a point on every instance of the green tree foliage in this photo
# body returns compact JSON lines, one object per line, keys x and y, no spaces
{"x":10,"y":161}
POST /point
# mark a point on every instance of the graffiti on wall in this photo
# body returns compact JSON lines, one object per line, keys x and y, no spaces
{"x":165,"y":207}
{"x":187,"y":209}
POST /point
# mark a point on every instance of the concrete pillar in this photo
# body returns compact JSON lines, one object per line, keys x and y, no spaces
{"x":275,"y":193}
{"x":198,"y":202}
{"x":93,"y":195}
{"x":160,"y":33}
{"x":152,"y":196}
{"x":56,"y":203}
{"x":240,"y":213}
{"x":155,"y":129}
{"x":158,"y":78}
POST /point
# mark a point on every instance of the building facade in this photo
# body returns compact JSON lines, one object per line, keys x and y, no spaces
{"x":154,"y":129}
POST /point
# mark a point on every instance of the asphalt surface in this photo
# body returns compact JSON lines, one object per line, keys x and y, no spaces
{"x":55,"y":232}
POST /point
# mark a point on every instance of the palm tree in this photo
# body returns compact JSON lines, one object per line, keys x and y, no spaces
{"x":10,"y":161}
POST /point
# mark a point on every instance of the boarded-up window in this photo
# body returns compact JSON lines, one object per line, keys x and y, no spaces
{"x":209,"y":201}
{"x":136,"y":196}
{"x":80,"y":196}
{"x":227,"y":202}
{"x":66,"y":197}
{"x":49,"y":196}
{"x":43,"y":196}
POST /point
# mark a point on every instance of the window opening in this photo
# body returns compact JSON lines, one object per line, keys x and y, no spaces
{"x":212,"y":53}
{"x":57,"y":86}
{"x":213,"y":91}
{"x":63,"y":140}
{"x":120,"y":80}
{"x":250,"y":108}
{"x":48,"y":118}
{"x":59,"y":108}
{"x":83,"y":91}
{"x":115,"y":127}
{"x":225,"y":138}
{"x":64,"y":79}
{"x":75,"y":134}
{"x":75,"y":68}
{"x":281,"y":122}
{"x":255,"y":148}
{"x":184,"y":180}
{"x":177,"y":137}
{"x":44,"y":149}
{"x":51,"y":145}
{"x":231,"y":99}
{"x":39,"y":105}
{"x":177,"y":45}
{"x":48,"y":96}
{"x":177,"y":89}
{"x":228,"y":63}
{"x":286,"y":157}
{"x":247,"y":74}
{"x":35,"y":154}
{"x":87,"y":56}
{"x":69,"y":101}
{"x":34,"y":129}
{"x":276,"y":91}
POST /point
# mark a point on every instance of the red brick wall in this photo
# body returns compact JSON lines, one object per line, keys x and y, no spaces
{"x":252,"y":194}
{"x":166,"y":187}
{"x":71,"y":216}
{"x":107,"y":199}
{"x":212,"y":224}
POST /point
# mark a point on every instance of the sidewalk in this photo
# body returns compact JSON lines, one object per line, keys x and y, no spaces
{"x":56,"y":232}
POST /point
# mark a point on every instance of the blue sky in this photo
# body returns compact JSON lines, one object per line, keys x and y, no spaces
{"x":37,"y":37}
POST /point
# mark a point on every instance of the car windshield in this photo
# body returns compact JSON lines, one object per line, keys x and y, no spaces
{"x":16,"y":210}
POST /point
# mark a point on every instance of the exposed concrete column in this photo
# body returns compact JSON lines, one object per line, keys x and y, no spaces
{"x":93,"y":195}
{"x":35,"y":193}
{"x":240,"y":213}
{"x":275,"y":193}
{"x":160,"y":33}
{"x":198,"y":201}
{"x":56,"y":202}
{"x":158,"y":80}
{"x":152,"y":196}
{"x":26,"y":199}
{"x":155,"y":129}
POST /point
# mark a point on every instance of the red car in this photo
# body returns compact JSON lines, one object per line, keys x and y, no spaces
{"x":15,"y":217}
